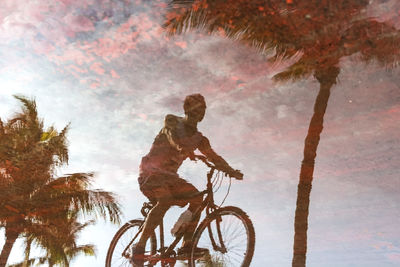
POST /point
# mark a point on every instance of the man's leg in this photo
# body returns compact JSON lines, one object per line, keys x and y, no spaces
{"x":195,"y":204}
{"x":153,"y":219}
{"x":184,"y":192}
{"x":154,"y":189}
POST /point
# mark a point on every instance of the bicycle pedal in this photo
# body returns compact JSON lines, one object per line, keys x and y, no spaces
{"x":182,"y":257}
{"x":199,"y":255}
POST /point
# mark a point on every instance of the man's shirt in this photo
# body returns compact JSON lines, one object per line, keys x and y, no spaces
{"x":175,"y":142}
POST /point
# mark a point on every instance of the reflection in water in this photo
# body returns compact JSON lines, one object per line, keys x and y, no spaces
{"x":159,"y":180}
{"x":35,"y":204}
{"x":317,"y":33}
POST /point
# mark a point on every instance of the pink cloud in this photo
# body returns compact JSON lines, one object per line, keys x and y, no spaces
{"x":111,"y":44}
{"x":94,"y":85}
{"x":77,"y":2}
{"x":394,"y":257}
{"x":43,"y":47}
{"x":71,"y":55}
{"x":106,"y":48}
{"x":78,"y":23}
{"x":98,"y":68}
{"x":387,"y":11}
{"x":181,"y":44}
{"x":114,"y":74}
{"x":394,"y":110}
{"x":142,"y":116}
{"x":53,"y":20}
{"x":47,"y":27}
{"x":118,"y":41}
{"x":383,"y":245}
{"x":77,"y":69}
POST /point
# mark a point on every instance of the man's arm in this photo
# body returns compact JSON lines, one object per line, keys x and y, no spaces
{"x":206,"y":149}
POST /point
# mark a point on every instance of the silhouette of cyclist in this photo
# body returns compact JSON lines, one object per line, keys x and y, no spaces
{"x":158,"y":178}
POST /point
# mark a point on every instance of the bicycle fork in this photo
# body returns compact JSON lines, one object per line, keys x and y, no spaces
{"x":221,"y":247}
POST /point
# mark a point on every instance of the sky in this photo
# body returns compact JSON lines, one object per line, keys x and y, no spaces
{"x":108,"y":68}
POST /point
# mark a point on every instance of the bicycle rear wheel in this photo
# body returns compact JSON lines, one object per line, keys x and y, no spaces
{"x":229,"y":236}
{"x":122,"y":239}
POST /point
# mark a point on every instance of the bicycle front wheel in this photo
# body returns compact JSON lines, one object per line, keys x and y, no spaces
{"x":122,"y":239}
{"x":228,"y":235}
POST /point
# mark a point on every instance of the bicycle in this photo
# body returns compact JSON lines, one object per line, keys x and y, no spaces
{"x":227,"y":233}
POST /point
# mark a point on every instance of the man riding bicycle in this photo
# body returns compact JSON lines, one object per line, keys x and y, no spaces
{"x":158,"y":178}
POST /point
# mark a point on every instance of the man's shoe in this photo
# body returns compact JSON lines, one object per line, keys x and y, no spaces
{"x":185,"y":252}
{"x":137,"y":258}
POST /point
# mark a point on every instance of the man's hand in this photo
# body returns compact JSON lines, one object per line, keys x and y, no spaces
{"x":235,"y":174}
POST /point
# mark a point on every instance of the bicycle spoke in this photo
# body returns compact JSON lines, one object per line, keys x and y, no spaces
{"x":123,"y":239}
{"x":235,"y":239}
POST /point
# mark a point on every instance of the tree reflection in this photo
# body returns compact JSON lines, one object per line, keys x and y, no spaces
{"x":37,"y":205}
{"x":319,"y":33}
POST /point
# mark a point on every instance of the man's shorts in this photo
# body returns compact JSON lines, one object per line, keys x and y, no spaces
{"x":168,"y":188}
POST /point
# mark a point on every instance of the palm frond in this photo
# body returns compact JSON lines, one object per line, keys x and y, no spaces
{"x":87,"y":250}
{"x":299,"y":70}
{"x":61,"y":141}
{"x":56,"y":144}
{"x":71,"y":192}
{"x":28,"y":263}
{"x":16,"y":122}
{"x":29,"y":106}
{"x":100,"y":203}
{"x":58,"y":238}
{"x":375,"y":41}
{"x":29,"y":113}
{"x":39,"y":207}
{"x":212,"y":17}
{"x":1,"y":128}
{"x":48,"y":134}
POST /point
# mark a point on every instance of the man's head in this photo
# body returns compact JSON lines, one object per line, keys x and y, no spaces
{"x":195,"y":107}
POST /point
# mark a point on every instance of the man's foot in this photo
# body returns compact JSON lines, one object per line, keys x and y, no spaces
{"x":185,"y":252}
{"x":137,"y":258}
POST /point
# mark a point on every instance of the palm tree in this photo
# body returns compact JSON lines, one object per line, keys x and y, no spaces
{"x":59,"y":242}
{"x":31,"y":197}
{"x":318,"y":32}
{"x":58,"y":239}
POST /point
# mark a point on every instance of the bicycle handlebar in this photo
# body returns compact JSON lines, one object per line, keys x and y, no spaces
{"x":204,"y":159}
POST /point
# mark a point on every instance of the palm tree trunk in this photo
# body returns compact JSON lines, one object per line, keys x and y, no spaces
{"x":11,"y":236}
{"x":327,"y":79}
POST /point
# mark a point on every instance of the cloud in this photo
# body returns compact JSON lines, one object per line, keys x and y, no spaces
{"x":45,"y":19}
{"x":110,"y":71}
{"x":77,"y":24}
{"x":394,"y":257}
{"x":385,"y":11}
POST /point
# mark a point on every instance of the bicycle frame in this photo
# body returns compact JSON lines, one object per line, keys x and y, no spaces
{"x":207,"y":204}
